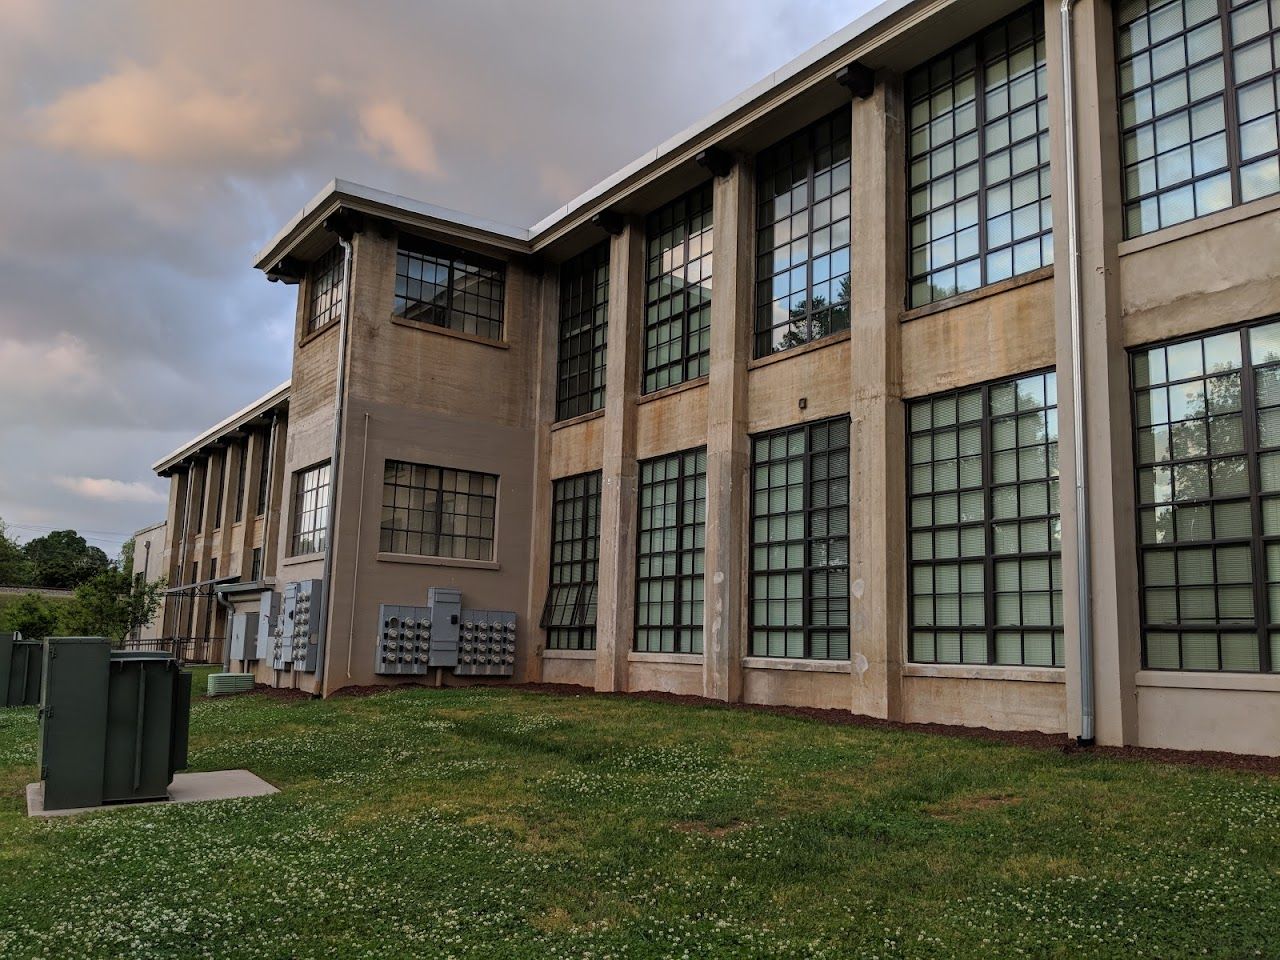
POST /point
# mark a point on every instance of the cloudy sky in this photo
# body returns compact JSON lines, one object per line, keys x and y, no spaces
{"x":150,"y":148}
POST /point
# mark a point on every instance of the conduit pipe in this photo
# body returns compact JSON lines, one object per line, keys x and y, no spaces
{"x":1084,"y":580}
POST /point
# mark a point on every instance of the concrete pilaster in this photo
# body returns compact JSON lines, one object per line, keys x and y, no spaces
{"x":615,"y":617}
{"x":544,"y":387}
{"x":877,"y":521}
{"x":1108,"y":431}
{"x":724,"y":628}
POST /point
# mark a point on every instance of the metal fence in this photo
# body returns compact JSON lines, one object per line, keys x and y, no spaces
{"x":184,"y":649}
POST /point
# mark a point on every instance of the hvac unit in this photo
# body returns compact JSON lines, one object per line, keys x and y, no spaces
{"x":224,"y":683}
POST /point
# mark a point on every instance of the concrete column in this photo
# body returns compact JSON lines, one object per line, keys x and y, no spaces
{"x":529,"y":660}
{"x":877,"y":521}
{"x":1108,"y":436}
{"x":615,"y":616}
{"x":725,"y":624}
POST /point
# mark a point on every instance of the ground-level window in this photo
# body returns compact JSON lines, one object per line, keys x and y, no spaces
{"x":438,"y":512}
{"x":1207,"y":446}
{"x":985,"y":562}
{"x":310,"y":510}
{"x":584,"y":332}
{"x":800,"y":542}
{"x":569,"y":614}
{"x":670,"y":553}
{"x":677,"y":314}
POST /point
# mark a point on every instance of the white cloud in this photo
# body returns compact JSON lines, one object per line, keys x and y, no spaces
{"x":111,"y":491}
{"x":388,"y":128}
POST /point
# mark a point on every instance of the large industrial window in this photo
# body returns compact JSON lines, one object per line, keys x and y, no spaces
{"x":584,"y":332}
{"x":436,"y":512}
{"x":670,"y":553}
{"x":324,"y":289}
{"x":1207,"y":446}
{"x":264,"y":470}
{"x":979,"y":161}
{"x":1198,"y":109}
{"x":802,"y":236}
{"x":449,"y":288}
{"x":677,"y":318}
{"x":986,"y":570}
{"x":310,"y":510}
{"x":220,"y":493}
{"x":800,"y":542}
{"x":242,"y":467}
{"x":569,"y":615}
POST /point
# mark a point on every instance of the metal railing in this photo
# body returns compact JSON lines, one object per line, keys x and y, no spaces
{"x":184,"y":649}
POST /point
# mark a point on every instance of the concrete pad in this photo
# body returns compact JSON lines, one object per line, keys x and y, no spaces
{"x":186,"y":788}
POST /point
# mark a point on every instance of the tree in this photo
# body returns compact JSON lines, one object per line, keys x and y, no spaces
{"x":32,"y":616}
{"x":15,"y":570}
{"x":63,"y":559}
{"x":114,"y":604}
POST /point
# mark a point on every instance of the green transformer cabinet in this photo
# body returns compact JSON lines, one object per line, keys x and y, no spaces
{"x":113,"y":724}
{"x":20,"y":665}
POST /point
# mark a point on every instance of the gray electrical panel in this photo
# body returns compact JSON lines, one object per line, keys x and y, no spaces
{"x":404,"y":640}
{"x":488,"y":644}
{"x":244,"y":636}
{"x":268,"y":615}
{"x":446,"y":615}
{"x":301,"y":619}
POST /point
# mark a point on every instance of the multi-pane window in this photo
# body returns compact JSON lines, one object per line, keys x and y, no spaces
{"x":670,"y":553}
{"x":220,"y":495}
{"x":255,"y":566}
{"x":1198,"y":107}
{"x":985,"y":561}
{"x":1207,"y":445}
{"x":436,"y":512}
{"x":979,"y":162}
{"x":802,"y":236}
{"x":446,"y":287}
{"x":242,"y":466}
{"x":800,"y":542}
{"x":310,"y":510}
{"x":677,"y":318}
{"x":584,"y":332}
{"x":264,"y":470}
{"x":324,"y":289}
{"x":569,"y":616}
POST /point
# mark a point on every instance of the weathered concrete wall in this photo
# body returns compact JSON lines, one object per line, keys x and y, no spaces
{"x":971,"y":698}
{"x":1238,"y":713}
{"x":828,"y":687}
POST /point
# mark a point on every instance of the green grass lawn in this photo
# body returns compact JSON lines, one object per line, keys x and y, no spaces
{"x":488,"y":823}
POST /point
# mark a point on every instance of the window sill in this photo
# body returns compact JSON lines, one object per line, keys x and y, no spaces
{"x":449,"y":332}
{"x":799,"y":666}
{"x":827,"y":341}
{"x":568,"y":654}
{"x":970,"y":296}
{"x":438,"y":561}
{"x":1190,"y":680}
{"x":1246,"y":211}
{"x":302,"y":558}
{"x":975,"y":671}
{"x":689,"y":659}
{"x":675,"y":388}
{"x":314,"y":335}
{"x":580,"y":418}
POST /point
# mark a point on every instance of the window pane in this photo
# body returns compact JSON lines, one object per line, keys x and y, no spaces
{"x":569,"y":615}
{"x":583,"y":333}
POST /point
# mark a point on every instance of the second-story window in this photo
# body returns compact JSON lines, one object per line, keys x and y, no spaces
{"x":324,"y":289}
{"x":584,"y":333}
{"x":677,"y":316}
{"x":310,"y":510}
{"x":802,"y":236}
{"x":980,"y":207}
{"x":1198,"y":107}
{"x":449,"y":288}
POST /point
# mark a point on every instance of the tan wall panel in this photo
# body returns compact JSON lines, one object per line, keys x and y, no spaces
{"x":577,"y":448}
{"x":998,"y":704}
{"x":680,"y":678}
{"x":1237,"y":721}
{"x":676,"y":421}
{"x":579,"y":672}
{"x":797,"y":688}
{"x":819,"y":375}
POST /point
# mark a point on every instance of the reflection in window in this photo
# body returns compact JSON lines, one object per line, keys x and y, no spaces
{"x":802,"y":237}
{"x":310,"y":510}
{"x":449,"y":288}
{"x":1206,"y":417}
{"x":670,"y":553}
{"x":569,"y":615}
{"x":979,"y":162}
{"x":800,"y":542}
{"x":1198,"y":108}
{"x":584,"y":332}
{"x":677,"y":319}
{"x":324,"y":287}
{"x":436,"y":512}
{"x":986,"y":571}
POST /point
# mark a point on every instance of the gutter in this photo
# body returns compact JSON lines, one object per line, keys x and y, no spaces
{"x":1084,"y":588}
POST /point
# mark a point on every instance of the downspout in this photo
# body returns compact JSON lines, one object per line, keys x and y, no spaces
{"x":1084,"y":598}
{"x":335,"y":459}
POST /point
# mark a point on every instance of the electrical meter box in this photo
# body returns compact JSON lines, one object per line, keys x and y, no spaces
{"x":487,"y":646}
{"x":281,"y":639}
{"x":404,"y":640}
{"x":446,"y":619}
{"x":302,"y":627}
{"x":268,"y":614}
{"x":21,"y":667}
{"x":113,"y":725}
{"x":244,"y":637}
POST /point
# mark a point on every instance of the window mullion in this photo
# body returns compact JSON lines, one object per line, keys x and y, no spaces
{"x":988,"y":536}
{"x":1230,"y":111}
{"x":980,"y":119}
{"x":1258,"y":550}
{"x":806,"y":599}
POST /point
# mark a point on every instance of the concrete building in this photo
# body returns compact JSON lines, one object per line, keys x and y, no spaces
{"x":932,"y":378}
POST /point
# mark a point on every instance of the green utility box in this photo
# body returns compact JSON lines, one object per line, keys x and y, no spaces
{"x":113,"y":724}
{"x":20,"y":665}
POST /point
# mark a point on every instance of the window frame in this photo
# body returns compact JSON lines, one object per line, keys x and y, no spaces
{"x":325,"y":290}
{"x":696,"y":204}
{"x":586,"y":596}
{"x":438,"y":510}
{"x":808,"y":567}
{"x":296,"y":512}
{"x":576,"y":275}
{"x":456,"y":261}
{"x":689,"y":637}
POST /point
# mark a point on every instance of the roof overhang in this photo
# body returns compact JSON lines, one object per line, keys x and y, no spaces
{"x":218,"y":435}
